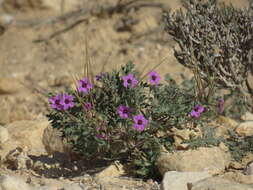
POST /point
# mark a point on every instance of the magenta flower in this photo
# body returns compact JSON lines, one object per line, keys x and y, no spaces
{"x":140,"y":122}
{"x":67,"y":101}
{"x":84,"y":85}
{"x":124,"y":111}
{"x":61,"y":102}
{"x":129,"y":81}
{"x":196,"y":112}
{"x":55,"y":102}
{"x":154,"y":78}
{"x":87,"y":106}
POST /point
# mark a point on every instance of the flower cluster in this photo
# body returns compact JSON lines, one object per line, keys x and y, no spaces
{"x":140,"y":121}
{"x":65,"y":101}
{"x":62,"y":101}
{"x":196,"y":112}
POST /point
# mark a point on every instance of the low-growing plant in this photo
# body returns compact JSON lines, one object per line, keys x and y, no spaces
{"x":124,"y":116}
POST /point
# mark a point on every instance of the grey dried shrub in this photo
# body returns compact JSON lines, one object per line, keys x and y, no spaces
{"x":215,"y":41}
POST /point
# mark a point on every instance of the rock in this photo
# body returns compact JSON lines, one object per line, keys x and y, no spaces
{"x":18,"y":159}
{"x":213,"y":160}
{"x":25,"y":134}
{"x":9,"y":85}
{"x":184,"y":134}
{"x":57,"y":4}
{"x":238,"y":177}
{"x":53,"y":141}
{"x":121,"y":183}
{"x":5,"y":111}
{"x":227,"y":122}
{"x":4,"y":134}
{"x":179,"y":180}
{"x":247,"y":116}
{"x":74,"y":186}
{"x":8,"y":182}
{"x":114,"y":170}
{"x":245,"y":129}
{"x":248,"y":170}
{"x":6,"y":19}
{"x":218,"y":183}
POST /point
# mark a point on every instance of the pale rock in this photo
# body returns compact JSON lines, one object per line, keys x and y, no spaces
{"x":18,"y":159}
{"x":248,"y":170}
{"x":6,"y":19}
{"x":218,"y":183}
{"x":4,"y":134}
{"x":179,"y":180}
{"x":8,"y":182}
{"x":5,"y":111}
{"x":25,"y":133}
{"x":9,"y":85}
{"x":114,"y":170}
{"x":213,"y":160}
{"x":57,"y":4}
{"x":245,"y":129}
{"x":74,"y":186}
{"x":184,"y":134}
{"x":248,"y":116}
{"x":239,"y":177}
{"x":53,"y":141}
{"x":121,"y":183}
{"x":227,"y":122}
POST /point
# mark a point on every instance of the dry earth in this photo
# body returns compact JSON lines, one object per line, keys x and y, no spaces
{"x":33,"y":62}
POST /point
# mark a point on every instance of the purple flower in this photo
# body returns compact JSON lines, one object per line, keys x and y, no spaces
{"x":87,"y":106}
{"x":129,"y":81}
{"x":84,"y":85}
{"x":196,"y":112}
{"x":220,"y":105}
{"x":154,"y":78}
{"x":124,"y":111}
{"x":55,"y":102}
{"x":140,"y":122}
{"x":61,"y":102}
{"x":67,"y":101}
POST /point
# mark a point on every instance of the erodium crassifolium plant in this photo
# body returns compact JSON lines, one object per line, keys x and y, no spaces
{"x":126,"y":117}
{"x":216,"y":42}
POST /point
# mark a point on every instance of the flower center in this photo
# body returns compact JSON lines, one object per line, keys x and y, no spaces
{"x":153,"y":77}
{"x":66,"y":101}
{"x":129,"y":81}
{"x":125,"y":111}
{"x":84,"y":85}
{"x":139,"y":122}
{"x":57,"y":102}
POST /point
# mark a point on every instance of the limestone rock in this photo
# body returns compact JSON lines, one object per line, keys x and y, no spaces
{"x":245,"y":129}
{"x":18,"y":159}
{"x":4,"y":134}
{"x":9,"y":85}
{"x":179,"y":180}
{"x":53,"y":141}
{"x":218,"y":183}
{"x":213,"y":160}
{"x":114,"y":170}
{"x":13,"y":183}
{"x":25,"y":134}
{"x":247,"y":116}
{"x":185,"y":134}
{"x":5,"y":111}
{"x":238,"y":177}
{"x":248,"y":170}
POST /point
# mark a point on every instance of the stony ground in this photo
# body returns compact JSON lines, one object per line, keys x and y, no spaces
{"x":39,"y":54}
